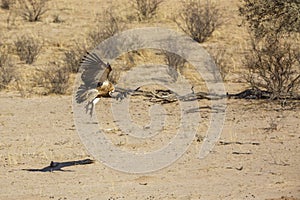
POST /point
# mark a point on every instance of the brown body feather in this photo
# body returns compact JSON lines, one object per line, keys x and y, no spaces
{"x":105,"y":89}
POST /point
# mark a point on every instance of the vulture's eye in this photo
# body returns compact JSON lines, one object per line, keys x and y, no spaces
{"x":99,"y":84}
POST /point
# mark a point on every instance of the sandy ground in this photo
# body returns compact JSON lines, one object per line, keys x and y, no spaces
{"x":257,"y":156}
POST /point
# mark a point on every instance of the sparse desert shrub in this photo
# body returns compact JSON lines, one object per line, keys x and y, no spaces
{"x":23,"y":90}
{"x":265,"y":16}
{"x":55,"y":79}
{"x":274,"y":66}
{"x":27,"y":48}
{"x":273,"y":60}
{"x":173,"y":59}
{"x":7,"y":71}
{"x":33,"y":10}
{"x":175,"y":63}
{"x":110,"y":24}
{"x":74,"y":56}
{"x":221,"y":59}
{"x":6,"y":4}
{"x":146,"y":9}
{"x":199,"y":20}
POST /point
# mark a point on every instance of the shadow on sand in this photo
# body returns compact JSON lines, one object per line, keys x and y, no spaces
{"x":57,"y":166}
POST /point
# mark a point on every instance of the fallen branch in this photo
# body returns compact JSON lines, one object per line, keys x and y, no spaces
{"x":239,"y":143}
{"x":256,"y":93}
{"x":241,"y":153}
{"x":168,"y":96}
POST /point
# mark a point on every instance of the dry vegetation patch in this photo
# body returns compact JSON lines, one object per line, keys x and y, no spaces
{"x":7,"y":4}
{"x":28,"y":48}
{"x":107,"y":24}
{"x":32,"y":10}
{"x":146,"y":9}
{"x":201,"y":20}
{"x":198,"y":19}
{"x":273,"y":60}
{"x":7,"y":70}
{"x":274,"y":66}
{"x":54,"y":79}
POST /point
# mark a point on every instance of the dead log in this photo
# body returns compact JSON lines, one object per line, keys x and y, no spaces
{"x":168,"y":96}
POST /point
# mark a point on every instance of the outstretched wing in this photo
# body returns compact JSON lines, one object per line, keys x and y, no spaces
{"x":93,"y":71}
{"x":105,"y":74}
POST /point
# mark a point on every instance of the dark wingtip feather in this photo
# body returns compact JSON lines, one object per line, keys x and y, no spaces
{"x":81,"y":90}
{"x":90,"y":59}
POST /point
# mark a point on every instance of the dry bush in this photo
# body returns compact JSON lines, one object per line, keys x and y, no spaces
{"x":199,"y":20}
{"x":265,"y":16}
{"x":221,"y":59}
{"x":7,"y":71}
{"x":173,"y":59}
{"x":23,"y":90}
{"x":175,"y":64}
{"x":7,"y":4}
{"x":273,"y":60}
{"x":274,"y":66}
{"x":27,"y":48}
{"x":32,"y":10}
{"x":109,"y":25}
{"x":74,"y":56}
{"x":55,"y":79}
{"x":146,"y":9}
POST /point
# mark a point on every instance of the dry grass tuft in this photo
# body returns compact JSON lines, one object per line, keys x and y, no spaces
{"x":57,"y":19}
{"x":54,"y":79}
{"x":72,"y":57}
{"x":222,"y":60}
{"x":32,"y":10}
{"x":7,"y":72}
{"x":175,"y":64}
{"x":146,"y":9}
{"x":28,"y":48}
{"x":108,"y":25}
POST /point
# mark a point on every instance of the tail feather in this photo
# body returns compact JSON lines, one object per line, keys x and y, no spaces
{"x":88,"y":95}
